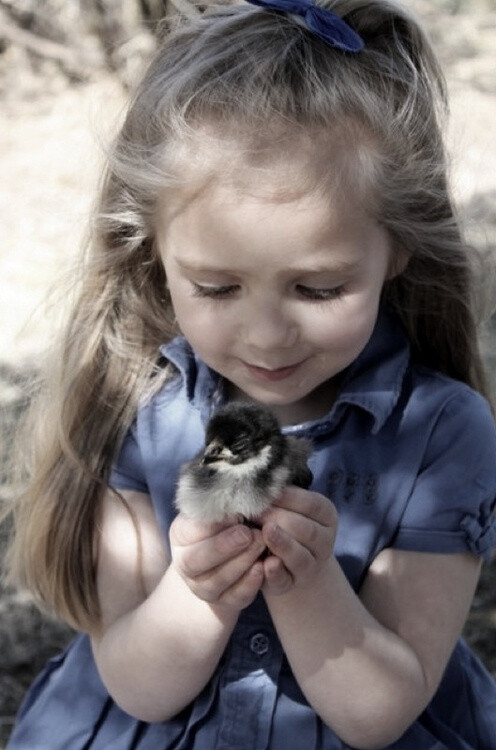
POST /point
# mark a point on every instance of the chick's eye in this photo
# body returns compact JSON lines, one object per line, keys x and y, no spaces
{"x":214,"y":292}
{"x":239,"y":445}
{"x":319,"y":295}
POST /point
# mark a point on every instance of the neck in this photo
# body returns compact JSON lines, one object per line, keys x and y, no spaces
{"x":314,"y":406}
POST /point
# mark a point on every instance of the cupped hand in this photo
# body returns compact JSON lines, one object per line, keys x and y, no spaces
{"x":219,"y":562}
{"x":299,"y":531}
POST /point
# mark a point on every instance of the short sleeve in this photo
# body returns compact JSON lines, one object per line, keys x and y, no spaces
{"x":127,"y":472}
{"x":451,"y":508}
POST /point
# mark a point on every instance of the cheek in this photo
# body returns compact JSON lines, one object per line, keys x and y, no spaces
{"x":199,"y":324}
{"x":347,"y":327}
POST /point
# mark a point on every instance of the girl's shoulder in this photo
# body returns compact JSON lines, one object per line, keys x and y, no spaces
{"x":450,"y":402}
{"x":397,"y":391}
{"x":425,"y":391}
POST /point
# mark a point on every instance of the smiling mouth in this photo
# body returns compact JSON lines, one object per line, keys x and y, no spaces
{"x":278,"y":373}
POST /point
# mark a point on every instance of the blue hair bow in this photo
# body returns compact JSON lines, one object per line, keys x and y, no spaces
{"x":323,"y":23}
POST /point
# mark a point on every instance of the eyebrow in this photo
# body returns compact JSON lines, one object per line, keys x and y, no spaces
{"x":344,"y":266}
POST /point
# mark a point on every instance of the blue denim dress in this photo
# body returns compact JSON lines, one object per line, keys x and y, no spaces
{"x":407,"y":456}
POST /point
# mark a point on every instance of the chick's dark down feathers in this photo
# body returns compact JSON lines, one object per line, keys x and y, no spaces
{"x":246,"y":463}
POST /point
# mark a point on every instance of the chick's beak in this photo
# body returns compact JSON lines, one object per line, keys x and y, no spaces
{"x":216,"y":451}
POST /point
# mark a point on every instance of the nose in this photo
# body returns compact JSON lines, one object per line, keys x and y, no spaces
{"x":267,"y":327}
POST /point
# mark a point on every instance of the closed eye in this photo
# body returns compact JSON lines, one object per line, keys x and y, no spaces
{"x":315,"y":294}
{"x":319,"y":295}
{"x":214,"y":292}
{"x":239,"y":445}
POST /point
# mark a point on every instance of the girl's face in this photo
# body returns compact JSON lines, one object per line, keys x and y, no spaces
{"x":278,"y":297}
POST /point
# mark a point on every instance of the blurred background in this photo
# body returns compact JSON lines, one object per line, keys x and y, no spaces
{"x":66,"y":70}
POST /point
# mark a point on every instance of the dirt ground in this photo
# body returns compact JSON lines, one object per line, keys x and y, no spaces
{"x":52,"y":140}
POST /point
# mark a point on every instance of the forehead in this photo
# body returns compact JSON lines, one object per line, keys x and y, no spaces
{"x":223,"y":230}
{"x":224,"y":217}
{"x":279,"y":164}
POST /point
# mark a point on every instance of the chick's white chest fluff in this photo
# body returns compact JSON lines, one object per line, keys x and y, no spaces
{"x":216,"y":492}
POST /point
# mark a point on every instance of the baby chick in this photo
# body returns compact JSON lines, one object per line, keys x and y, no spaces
{"x":246,"y":463}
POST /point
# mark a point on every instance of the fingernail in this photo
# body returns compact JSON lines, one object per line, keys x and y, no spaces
{"x":240,"y":536}
{"x":274,"y":532}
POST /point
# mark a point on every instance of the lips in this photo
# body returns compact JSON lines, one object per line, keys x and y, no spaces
{"x":279,"y":373}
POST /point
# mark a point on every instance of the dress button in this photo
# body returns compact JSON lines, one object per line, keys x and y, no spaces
{"x":259,"y":644}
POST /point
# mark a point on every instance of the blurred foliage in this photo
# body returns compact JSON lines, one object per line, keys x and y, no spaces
{"x":80,"y":37}
{"x":454,"y":7}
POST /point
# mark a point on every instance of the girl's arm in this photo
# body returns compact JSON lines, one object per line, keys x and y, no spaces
{"x":368,"y":664}
{"x":164,"y":625}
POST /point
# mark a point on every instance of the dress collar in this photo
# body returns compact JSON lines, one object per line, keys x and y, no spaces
{"x":372,"y":383}
{"x":204,"y":388}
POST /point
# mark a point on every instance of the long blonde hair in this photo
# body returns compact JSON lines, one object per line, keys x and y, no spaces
{"x":253,"y":75}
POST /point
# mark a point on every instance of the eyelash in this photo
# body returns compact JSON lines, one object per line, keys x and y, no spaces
{"x":320,"y":295}
{"x":309,"y":293}
{"x":214,"y":292}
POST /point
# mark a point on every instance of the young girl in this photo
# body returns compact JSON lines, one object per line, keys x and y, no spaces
{"x":274,"y":226}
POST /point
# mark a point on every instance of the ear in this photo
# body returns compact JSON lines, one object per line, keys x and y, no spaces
{"x":398,"y":263}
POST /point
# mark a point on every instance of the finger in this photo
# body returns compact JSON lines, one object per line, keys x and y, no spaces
{"x":185,"y":531}
{"x":296,"y":558}
{"x":277,"y":578}
{"x":212,"y":585}
{"x":310,"y":504}
{"x":212,"y":552}
{"x":317,"y":539}
{"x":245,"y":589}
